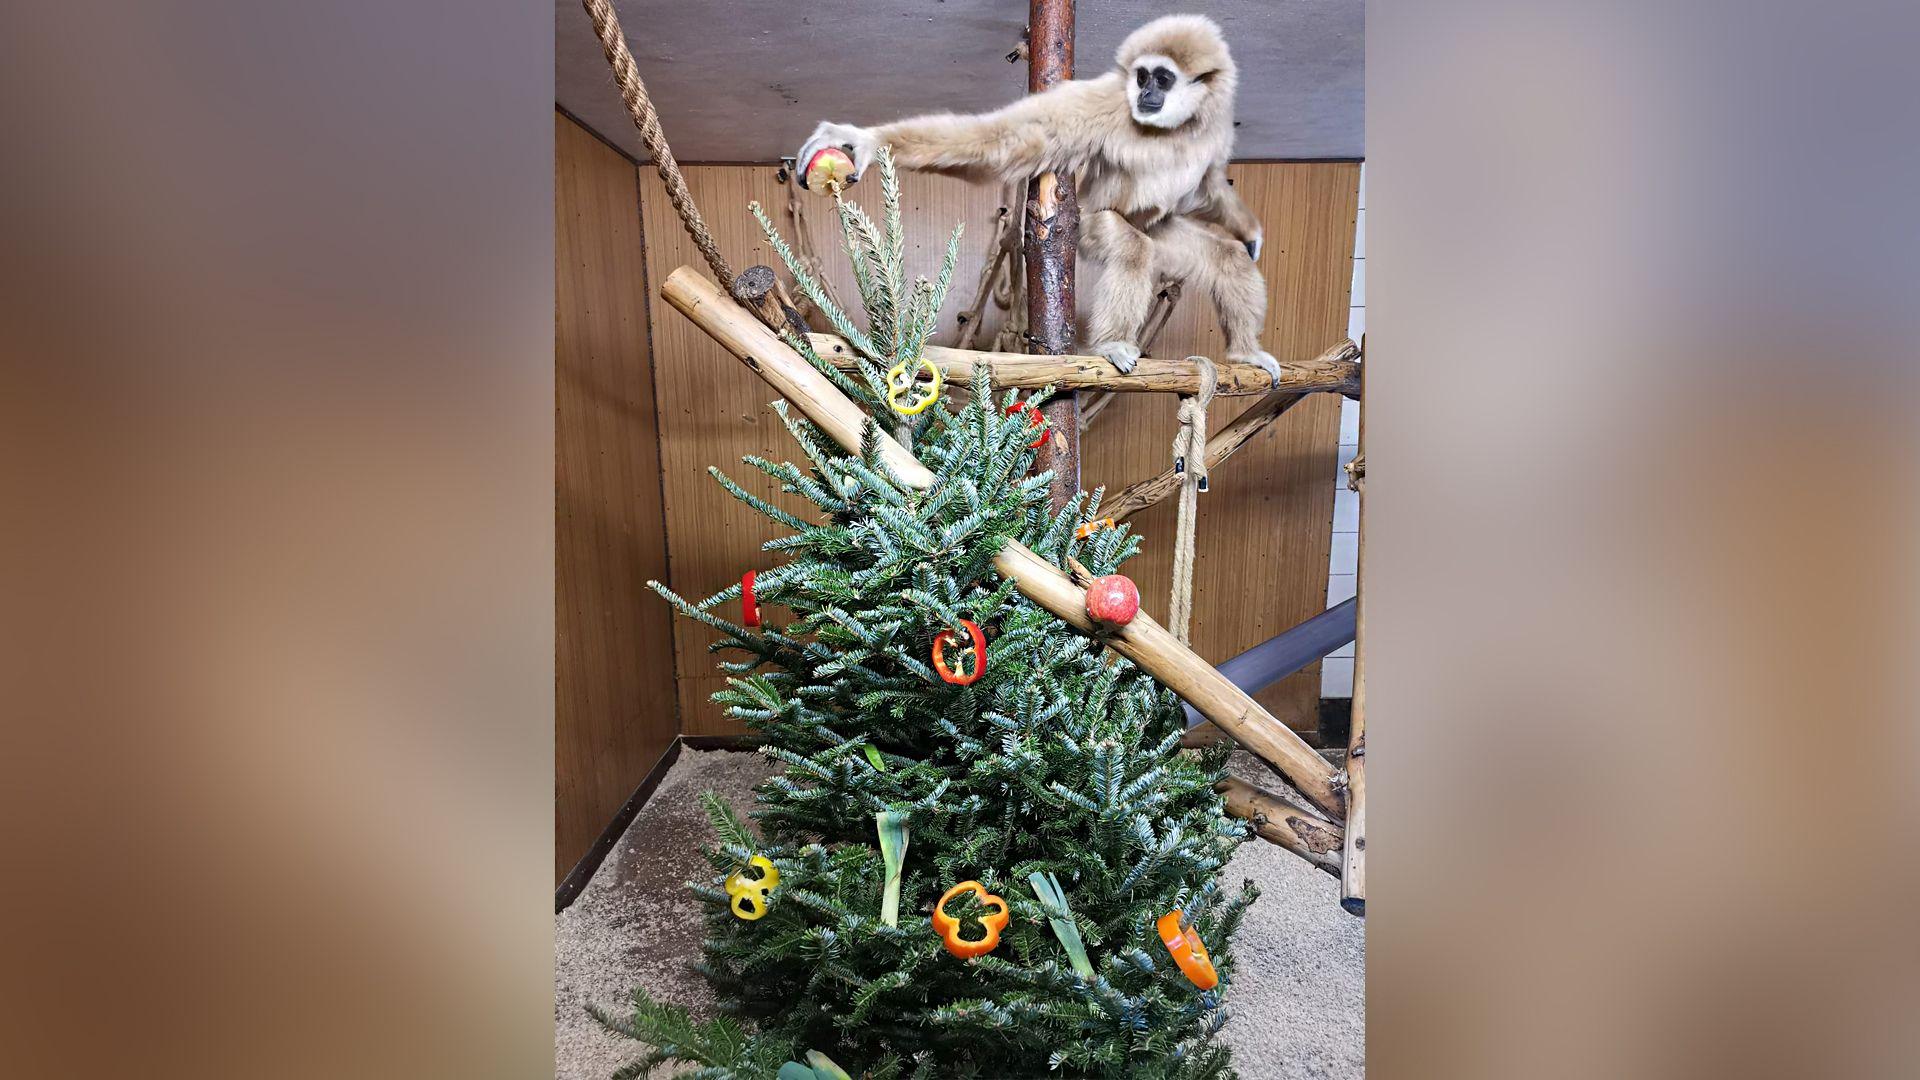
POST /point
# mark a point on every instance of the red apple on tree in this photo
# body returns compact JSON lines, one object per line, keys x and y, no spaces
{"x":1113,"y":600}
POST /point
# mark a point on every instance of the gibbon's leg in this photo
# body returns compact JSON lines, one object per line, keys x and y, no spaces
{"x":1126,"y":287}
{"x":1209,"y":259}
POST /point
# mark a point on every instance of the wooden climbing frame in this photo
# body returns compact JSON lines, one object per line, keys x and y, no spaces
{"x":1333,"y":371}
{"x":749,"y":317}
{"x":1319,"y":835}
{"x":1143,"y":641}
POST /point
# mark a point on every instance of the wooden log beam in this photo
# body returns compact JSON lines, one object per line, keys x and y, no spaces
{"x":1143,"y":641}
{"x":1241,"y":430}
{"x":1051,"y":231}
{"x":1333,"y":371}
{"x":1278,"y":821}
{"x":759,"y":291}
{"x":1155,"y":650}
{"x":746,"y":337}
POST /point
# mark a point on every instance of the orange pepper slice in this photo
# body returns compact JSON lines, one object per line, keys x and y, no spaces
{"x":945,"y":638}
{"x":948,"y":927}
{"x":1089,"y":528}
{"x":1188,"y":951}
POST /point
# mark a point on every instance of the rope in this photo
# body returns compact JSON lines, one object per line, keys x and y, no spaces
{"x":1190,"y":461}
{"x":606,"y":24}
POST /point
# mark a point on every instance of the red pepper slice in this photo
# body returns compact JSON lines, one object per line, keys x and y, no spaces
{"x":1034,"y":420}
{"x":749,"y":607}
{"x":946,"y":638}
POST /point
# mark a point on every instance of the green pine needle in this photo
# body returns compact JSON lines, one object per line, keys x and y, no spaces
{"x":1062,"y":762}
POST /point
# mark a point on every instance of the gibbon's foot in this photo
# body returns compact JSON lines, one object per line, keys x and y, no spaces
{"x":1123,"y":354}
{"x":1261,"y":359}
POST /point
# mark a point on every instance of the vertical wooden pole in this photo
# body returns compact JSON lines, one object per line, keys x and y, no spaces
{"x":1052,"y":231}
{"x":1353,"y":868}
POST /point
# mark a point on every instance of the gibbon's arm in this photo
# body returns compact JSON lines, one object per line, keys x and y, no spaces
{"x":1220,"y":204}
{"x":1062,"y":128}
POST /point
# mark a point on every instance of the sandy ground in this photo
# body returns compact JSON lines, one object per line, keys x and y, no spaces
{"x":1298,"y":1000}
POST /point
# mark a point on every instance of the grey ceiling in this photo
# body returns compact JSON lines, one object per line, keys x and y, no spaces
{"x":746,"y":80}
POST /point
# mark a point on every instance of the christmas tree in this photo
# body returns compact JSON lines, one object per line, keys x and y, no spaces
{"x":987,"y":850}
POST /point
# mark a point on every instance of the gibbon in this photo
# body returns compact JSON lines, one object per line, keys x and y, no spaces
{"x":1148,"y":145}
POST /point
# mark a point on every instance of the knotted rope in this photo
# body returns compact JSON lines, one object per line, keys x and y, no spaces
{"x":606,"y":24}
{"x":1190,"y":461}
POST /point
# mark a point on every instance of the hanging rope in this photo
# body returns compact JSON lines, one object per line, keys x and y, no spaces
{"x":1190,"y":461}
{"x":606,"y":24}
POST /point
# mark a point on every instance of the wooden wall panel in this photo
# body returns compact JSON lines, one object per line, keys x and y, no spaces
{"x":1263,"y":528}
{"x":613,"y":695}
{"x":1265,"y":524}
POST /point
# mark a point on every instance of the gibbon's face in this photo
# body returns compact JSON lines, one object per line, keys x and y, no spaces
{"x":1161,"y":95}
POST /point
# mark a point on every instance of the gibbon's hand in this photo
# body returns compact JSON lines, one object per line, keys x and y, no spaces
{"x":858,"y":142}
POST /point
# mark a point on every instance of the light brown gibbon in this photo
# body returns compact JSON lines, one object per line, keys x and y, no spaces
{"x":1147,"y":145}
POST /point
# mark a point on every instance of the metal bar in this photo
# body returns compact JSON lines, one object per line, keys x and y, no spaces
{"x":1278,"y":657}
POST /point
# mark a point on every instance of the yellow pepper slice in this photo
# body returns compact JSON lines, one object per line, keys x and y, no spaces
{"x":750,"y":893}
{"x":900,"y":381}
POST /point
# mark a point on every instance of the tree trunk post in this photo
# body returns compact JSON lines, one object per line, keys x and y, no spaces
{"x":1052,"y":231}
{"x":1353,"y":871}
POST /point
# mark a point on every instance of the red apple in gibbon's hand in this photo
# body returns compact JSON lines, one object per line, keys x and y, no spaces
{"x":828,"y":166}
{"x":1113,"y":600}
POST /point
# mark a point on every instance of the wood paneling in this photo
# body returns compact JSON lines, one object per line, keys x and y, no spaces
{"x":1264,"y":526}
{"x":613,"y":692}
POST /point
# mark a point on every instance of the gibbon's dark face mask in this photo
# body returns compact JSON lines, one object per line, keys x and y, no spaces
{"x":1151,"y":86}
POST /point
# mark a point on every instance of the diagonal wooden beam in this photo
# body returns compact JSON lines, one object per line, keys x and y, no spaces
{"x":1148,"y":644}
{"x":1278,"y":821}
{"x":1333,"y":371}
{"x":1240,"y":431}
{"x":1288,"y":651}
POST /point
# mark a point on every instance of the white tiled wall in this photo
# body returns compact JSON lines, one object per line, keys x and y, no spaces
{"x":1336,"y":672}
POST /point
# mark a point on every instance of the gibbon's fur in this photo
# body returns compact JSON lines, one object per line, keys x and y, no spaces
{"x":1148,"y":144}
